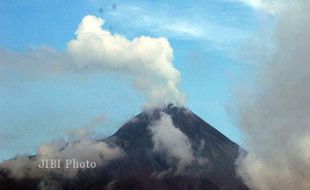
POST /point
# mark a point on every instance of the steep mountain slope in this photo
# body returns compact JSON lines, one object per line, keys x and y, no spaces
{"x":209,"y":158}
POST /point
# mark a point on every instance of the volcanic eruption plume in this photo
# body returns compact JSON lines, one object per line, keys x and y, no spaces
{"x":146,"y":61}
{"x":275,"y":120}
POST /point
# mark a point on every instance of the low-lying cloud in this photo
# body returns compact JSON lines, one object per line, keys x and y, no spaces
{"x":82,"y":148}
{"x":172,"y":142}
{"x":85,"y":149}
{"x":275,"y":119}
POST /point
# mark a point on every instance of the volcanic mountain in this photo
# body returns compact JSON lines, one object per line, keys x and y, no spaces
{"x":203,"y":159}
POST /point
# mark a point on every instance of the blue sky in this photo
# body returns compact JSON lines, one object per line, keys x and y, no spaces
{"x":209,"y":40}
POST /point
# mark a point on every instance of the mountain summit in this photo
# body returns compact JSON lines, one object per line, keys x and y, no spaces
{"x":164,"y":148}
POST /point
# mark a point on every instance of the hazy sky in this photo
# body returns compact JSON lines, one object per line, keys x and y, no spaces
{"x":210,"y":49}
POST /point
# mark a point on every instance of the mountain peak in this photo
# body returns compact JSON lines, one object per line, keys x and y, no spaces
{"x":182,"y":118}
{"x":167,"y":108}
{"x":206,"y":144}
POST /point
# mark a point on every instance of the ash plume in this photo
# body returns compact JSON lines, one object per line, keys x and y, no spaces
{"x":275,"y":118}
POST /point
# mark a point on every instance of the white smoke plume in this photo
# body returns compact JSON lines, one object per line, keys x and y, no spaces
{"x":145,"y":60}
{"x":275,"y":119}
{"x":170,"y":140}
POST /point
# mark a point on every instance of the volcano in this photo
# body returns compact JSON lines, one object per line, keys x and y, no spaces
{"x":209,"y":163}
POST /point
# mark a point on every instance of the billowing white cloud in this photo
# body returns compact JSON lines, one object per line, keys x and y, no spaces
{"x":147,"y":60}
{"x":275,"y":119}
{"x":171,"y":141}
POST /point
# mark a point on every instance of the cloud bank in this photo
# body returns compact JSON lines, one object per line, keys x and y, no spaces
{"x":170,"y":140}
{"x":275,"y":119}
{"x":145,"y":60}
{"x":81,"y":148}
{"x":85,"y":149}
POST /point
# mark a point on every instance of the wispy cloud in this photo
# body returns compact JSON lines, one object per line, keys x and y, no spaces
{"x":141,"y":18}
{"x":188,"y":25}
{"x":272,"y":7}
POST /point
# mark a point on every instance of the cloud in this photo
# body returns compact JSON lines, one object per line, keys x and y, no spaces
{"x":88,"y":130}
{"x":85,"y":149}
{"x":141,"y":17}
{"x":34,"y":63}
{"x":147,"y":60}
{"x":170,"y":140}
{"x":273,"y":7}
{"x":162,"y":20}
{"x":82,"y":149}
{"x":266,"y":5}
{"x":275,"y":118}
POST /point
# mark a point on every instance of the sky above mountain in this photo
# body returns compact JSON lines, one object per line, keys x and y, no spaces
{"x":206,"y":44}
